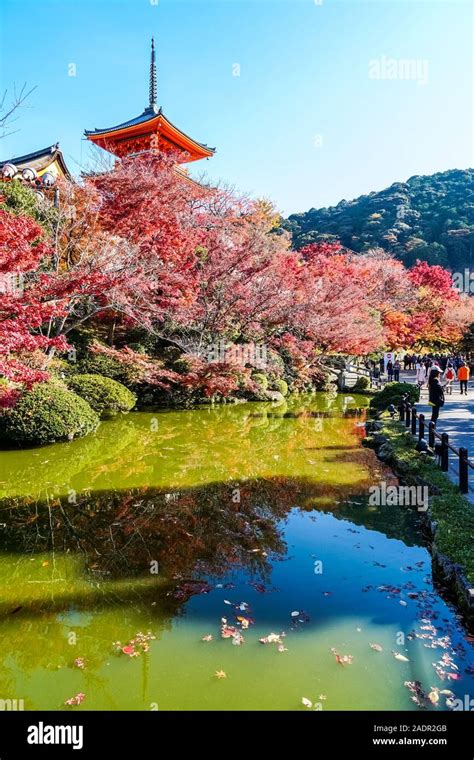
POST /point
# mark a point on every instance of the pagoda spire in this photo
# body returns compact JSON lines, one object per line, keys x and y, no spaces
{"x":153,"y":78}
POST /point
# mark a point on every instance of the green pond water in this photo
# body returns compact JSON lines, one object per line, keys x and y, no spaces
{"x":167,"y":522}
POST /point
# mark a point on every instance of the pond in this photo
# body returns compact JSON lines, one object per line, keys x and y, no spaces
{"x":123,"y":553}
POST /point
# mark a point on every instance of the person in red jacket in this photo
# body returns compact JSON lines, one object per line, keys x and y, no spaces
{"x":463,"y":377}
{"x":449,"y":376}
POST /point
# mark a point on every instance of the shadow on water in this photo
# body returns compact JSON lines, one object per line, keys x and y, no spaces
{"x":190,"y":534}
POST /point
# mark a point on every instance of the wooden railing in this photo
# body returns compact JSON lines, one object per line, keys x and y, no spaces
{"x":417,"y":423}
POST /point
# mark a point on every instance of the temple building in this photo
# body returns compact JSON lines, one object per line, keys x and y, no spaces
{"x":46,"y":164}
{"x":152,"y":130}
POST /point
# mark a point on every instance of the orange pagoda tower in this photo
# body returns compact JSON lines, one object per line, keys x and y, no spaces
{"x":149,"y":131}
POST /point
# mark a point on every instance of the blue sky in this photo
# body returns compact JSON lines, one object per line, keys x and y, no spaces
{"x":304,"y":124}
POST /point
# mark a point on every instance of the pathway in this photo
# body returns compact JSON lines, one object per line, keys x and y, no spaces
{"x":457,"y":419}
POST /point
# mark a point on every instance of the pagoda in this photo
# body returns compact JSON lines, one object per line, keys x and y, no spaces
{"x":151,"y":131}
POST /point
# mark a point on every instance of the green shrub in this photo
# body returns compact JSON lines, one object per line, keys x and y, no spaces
{"x":261,"y":380}
{"x":393,"y":393}
{"x":107,"y":366}
{"x":282,"y":386}
{"x":48,"y":413}
{"x":104,"y":395}
{"x":182,"y":366}
{"x":362,"y":383}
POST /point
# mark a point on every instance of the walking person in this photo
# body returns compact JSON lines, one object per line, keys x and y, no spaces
{"x":463,"y":377}
{"x":420,"y":375}
{"x":390,"y":371}
{"x":436,"y":398}
{"x":449,"y":376}
{"x":396,"y":371}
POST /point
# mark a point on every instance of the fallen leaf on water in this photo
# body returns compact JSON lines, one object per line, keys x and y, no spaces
{"x":272,"y":638}
{"x":227,"y":631}
{"x":342,"y":659}
{"x":73,"y":701}
{"x":376,"y":647}
{"x":433,"y":696}
{"x":400,"y":657}
{"x":244,"y":621}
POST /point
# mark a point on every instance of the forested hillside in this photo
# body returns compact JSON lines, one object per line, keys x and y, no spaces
{"x":427,"y":217}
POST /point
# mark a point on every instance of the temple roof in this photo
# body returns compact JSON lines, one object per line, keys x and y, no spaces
{"x":154,"y":121}
{"x":41,"y":160}
{"x":151,"y":122}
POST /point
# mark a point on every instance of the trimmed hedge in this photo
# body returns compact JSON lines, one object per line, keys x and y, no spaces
{"x":393,"y":393}
{"x":282,"y":386}
{"x":106,"y":366}
{"x":361,"y":384}
{"x":104,"y":395}
{"x":261,"y":380}
{"x":48,"y":413}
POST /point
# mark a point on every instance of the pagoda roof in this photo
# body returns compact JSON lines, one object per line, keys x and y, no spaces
{"x":154,"y":120}
{"x":40,"y":160}
{"x":150,"y":126}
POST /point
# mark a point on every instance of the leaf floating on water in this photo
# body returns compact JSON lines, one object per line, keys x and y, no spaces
{"x":400,"y":657}
{"x":73,"y":701}
{"x":306,"y":702}
{"x":433,"y":696}
{"x":376,"y":647}
{"x":272,"y":638}
{"x":244,"y":621}
{"x":228,"y":631}
{"x":342,"y":659}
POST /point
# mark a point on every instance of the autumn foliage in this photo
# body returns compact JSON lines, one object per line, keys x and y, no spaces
{"x":140,"y":247}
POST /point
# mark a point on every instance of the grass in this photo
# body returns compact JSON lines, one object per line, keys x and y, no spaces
{"x":450,"y":510}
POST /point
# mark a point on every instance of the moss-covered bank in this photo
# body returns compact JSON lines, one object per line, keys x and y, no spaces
{"x":449,"y":520}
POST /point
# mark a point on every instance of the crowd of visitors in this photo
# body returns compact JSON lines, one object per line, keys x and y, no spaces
{"x":436,"y":372}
